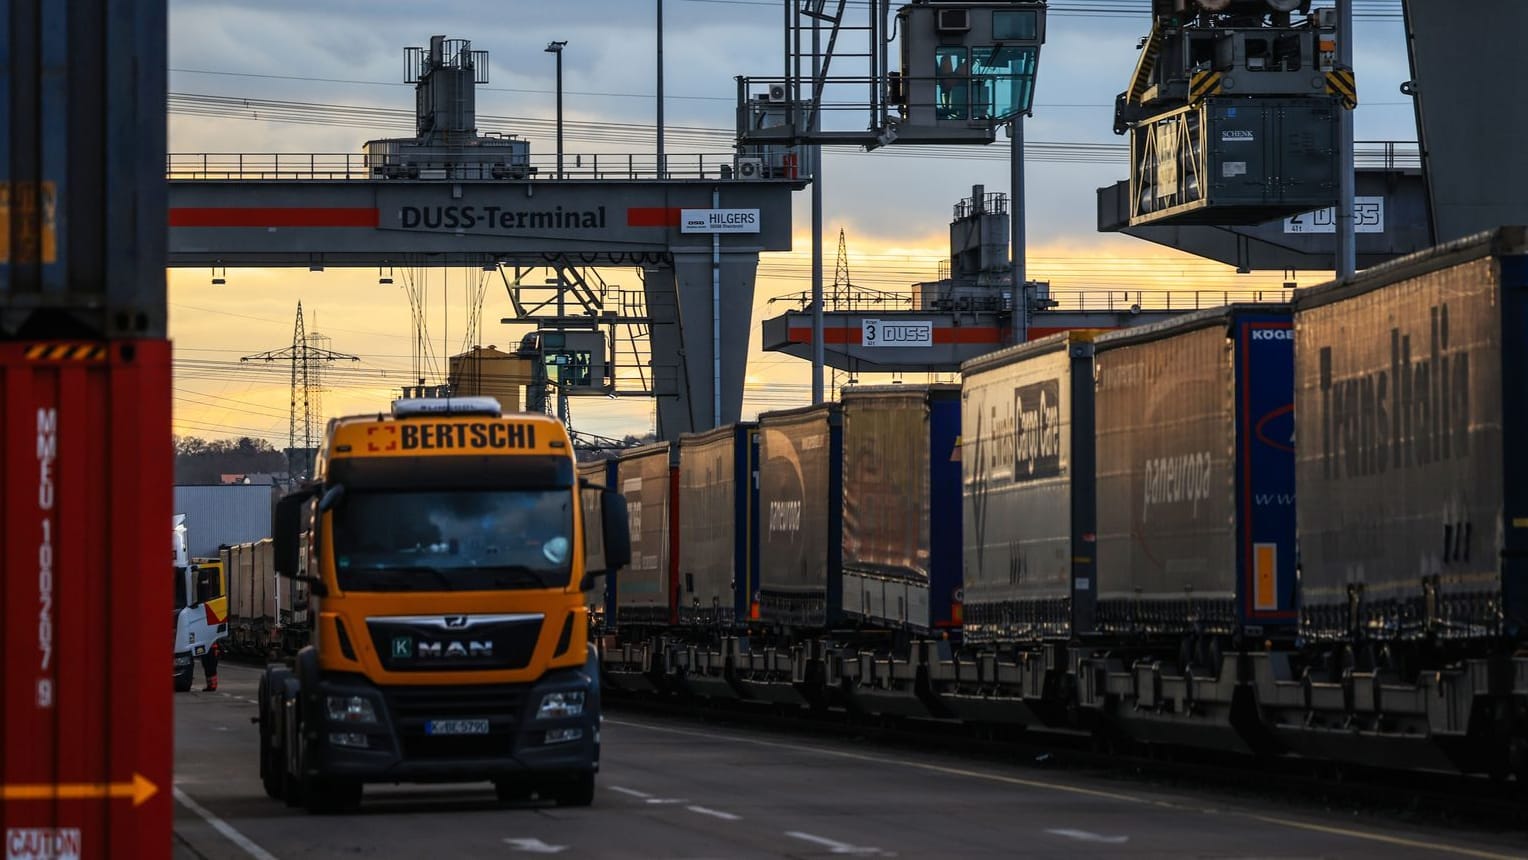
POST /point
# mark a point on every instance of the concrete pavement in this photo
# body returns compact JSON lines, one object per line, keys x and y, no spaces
{"x":685,"y":790}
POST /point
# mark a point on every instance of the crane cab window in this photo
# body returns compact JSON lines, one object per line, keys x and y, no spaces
{"x":1016,"y":25}
{"x":1003,"y":81}
{"x":952,"y":85}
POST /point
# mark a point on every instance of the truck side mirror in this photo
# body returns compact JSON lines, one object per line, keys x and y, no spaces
{"x":617,"y":530}
{"x":287,"y":528}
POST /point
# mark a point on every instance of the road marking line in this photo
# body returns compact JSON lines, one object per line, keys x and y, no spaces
{"x":631,"y":791}
{"x":667,"y":800}
{"x":833,"y":846}
{"x":1458,"y":850}
{"x":715,"y":813}
{"x":1389,"y":840}
{"x":535,"y":846}
{"x":223,"y":827}
{"x":1085,"y":836}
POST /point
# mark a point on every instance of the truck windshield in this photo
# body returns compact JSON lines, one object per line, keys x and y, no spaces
{"x":181,"y":595}
{"x":472,"y":540}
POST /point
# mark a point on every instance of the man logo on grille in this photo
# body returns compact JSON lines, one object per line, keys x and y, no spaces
{"x":456,"y":621}
{"x":403,"y":646}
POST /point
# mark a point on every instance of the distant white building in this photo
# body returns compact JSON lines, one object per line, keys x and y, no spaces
{"x":224,"y":514}
{"x":264,"y":479}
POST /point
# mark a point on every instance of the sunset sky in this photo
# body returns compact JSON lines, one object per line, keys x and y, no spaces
{"x":894,"y":206}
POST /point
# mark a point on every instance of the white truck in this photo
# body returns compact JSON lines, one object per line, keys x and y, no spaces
{"x":201,"y":605}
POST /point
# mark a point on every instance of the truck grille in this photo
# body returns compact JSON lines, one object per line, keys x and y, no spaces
{"x":413,"y":707}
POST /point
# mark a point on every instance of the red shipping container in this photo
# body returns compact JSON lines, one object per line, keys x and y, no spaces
{"x":85,"y":641}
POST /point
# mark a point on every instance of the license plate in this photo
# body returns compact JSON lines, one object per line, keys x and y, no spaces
{"x":456,"y":727}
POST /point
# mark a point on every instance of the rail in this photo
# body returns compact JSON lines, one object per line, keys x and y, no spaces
{"x":1057,"y":300}
{"x":358,"y":166}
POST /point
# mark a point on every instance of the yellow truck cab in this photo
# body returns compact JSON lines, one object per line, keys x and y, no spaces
{"x":446,"y":563}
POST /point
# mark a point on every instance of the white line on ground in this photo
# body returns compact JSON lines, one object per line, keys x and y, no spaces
{"x":833,"y":846}
{"x":630,"y":791}
{"x":223,"y":827}
{"x":715,"y":813}
{"x":1365,"y":835}
{"x":667,"y":800}
{"x":535,"y":846}
{"x":1085,"y":836}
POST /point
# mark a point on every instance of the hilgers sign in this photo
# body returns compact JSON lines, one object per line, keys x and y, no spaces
{"x":896,"y":333}
{"x":718,"y":220}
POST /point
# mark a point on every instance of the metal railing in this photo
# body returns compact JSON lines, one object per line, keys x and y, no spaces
{"x":1389,"y":154}
{"x":1125,"y":301}
{"x":356,"y":166}
{"x":1062,"y":300}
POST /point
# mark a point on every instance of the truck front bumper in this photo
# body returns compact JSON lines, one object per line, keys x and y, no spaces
{"x":419,"y":734}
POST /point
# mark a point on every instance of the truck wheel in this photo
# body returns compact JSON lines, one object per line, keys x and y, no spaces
{"x":577,"y":792}
{"x":272,"y":767}
{"x":327,"y":796}
{"x":183,"y":681}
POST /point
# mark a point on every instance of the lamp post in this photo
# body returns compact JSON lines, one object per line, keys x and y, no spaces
{"x":556,"y":48}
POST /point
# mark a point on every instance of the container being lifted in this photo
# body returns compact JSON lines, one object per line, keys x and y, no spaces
{"x":1232,"y":112}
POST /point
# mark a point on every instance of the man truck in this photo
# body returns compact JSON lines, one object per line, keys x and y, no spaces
{"x":446,"y":566}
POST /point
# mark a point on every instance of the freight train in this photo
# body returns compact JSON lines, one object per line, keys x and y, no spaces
{"x":1274,"y":529}
{"x":267,"y":614}
{"x":1280,"y":529}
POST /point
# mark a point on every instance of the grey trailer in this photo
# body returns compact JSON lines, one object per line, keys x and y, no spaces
{"x":1027,"y":474}
{"x":644,"y":588}
{"x":801,"y":516}
{"x":1412,"y":382}
{"x":718,"y":525}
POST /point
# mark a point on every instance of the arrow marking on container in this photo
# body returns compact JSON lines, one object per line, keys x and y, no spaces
{"x":139,"y":790}
{"x":535,"y":846}
{"x":834,"y":847}
{"x":1085,"y":836}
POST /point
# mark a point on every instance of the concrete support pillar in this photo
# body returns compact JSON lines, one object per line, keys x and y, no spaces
{"x":679,"y":303}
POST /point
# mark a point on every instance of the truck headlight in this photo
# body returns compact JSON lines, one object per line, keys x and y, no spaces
{"x":558,"y":705}
{"x":182,"y":660}
{"x":350,"y":709}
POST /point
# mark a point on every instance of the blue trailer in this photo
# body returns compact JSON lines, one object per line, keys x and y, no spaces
{"x":1195,"y":475}
{"x":901,"y":507}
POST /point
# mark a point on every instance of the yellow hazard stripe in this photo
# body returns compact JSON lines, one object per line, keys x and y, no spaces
{"x":66,"y":352}
{"x":1144,"y":65}
{"x":1203,"y":84}
{"x":1341,"y":83}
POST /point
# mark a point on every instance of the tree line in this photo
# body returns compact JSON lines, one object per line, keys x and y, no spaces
{"x":205,"y":461}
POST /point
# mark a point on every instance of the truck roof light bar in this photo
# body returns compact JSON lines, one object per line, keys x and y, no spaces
{"x":408,"y":407}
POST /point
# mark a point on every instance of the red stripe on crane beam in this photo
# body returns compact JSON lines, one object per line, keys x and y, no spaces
{"x":274,"y":216}
{"x":652,"y":216}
